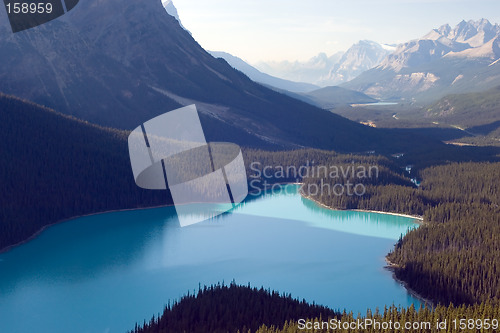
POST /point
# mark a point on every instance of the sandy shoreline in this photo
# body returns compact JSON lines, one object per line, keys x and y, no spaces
{"x":415,"y":217}
{"x":390,"y":266}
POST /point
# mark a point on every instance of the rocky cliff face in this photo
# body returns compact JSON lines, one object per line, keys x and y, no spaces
{"x":119,"y":63}
{"x":446,"y":60}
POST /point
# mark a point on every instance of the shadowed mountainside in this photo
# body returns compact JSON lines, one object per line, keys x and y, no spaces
{"x":119,"y":63}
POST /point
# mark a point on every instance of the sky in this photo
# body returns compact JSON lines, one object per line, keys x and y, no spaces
{"x":275,"y":30}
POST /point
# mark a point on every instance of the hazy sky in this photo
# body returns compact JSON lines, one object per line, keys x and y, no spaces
{"x":297,"y":30}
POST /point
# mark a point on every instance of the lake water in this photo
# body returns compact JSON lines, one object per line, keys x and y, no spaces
{"x":105,"y":272}
{"x":377,"y":104}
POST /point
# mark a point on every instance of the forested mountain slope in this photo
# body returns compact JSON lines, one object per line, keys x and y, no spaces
{"x":455,"y":255}
{"x":55,"y":167}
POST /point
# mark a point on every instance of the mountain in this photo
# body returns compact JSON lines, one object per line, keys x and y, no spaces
{"x":474,"y":33}
{"x":329,"y":71}
{"x":359,"y":58}
{"x":314,"y":71}
{"x":444,"y":61}
{"x":488,"y":50}
{"x":477,"y":112}
{"x":257,"y":76}
{"x":119,"y":63}
{"x":329,"y":98}
{"x":55,"y":167}
{"x":172,"y":11}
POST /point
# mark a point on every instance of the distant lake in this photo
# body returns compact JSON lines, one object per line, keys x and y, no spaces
{"x":104,"y":273}
{"x":376,"y":104}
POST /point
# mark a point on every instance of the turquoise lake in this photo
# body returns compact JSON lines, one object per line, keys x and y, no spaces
{"x":104,"y":273}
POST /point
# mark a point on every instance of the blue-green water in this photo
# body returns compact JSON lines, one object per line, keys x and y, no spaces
{"x":105,"y":272}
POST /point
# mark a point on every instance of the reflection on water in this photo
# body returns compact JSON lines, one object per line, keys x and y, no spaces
{"x":103,"y":273}
{"x":288,"y":205}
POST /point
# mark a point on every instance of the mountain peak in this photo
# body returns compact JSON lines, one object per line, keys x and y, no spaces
{"x":444,"y":29}
{"x":468,"y":39}
{"x":473,"y":32}
{"x":441,"y":61}
{"x":368,"y":42}
{"x":360,"y":57}
{"x":118,"y":63}
{"x":481,"y":24}
{"x":172,"y":11}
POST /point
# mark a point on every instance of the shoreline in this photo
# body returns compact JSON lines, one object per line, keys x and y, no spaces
{"x":390,"y":265}
{"x":415,"y":217}
{"x":37,"y":233}
{"x":45,"y":227}
{"x":392,"y":268}
{"x":42,"y":229}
